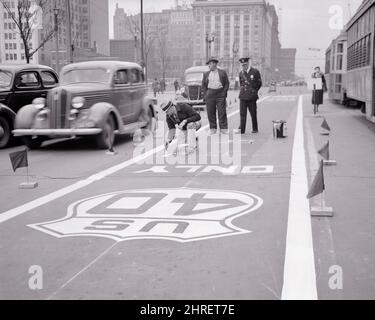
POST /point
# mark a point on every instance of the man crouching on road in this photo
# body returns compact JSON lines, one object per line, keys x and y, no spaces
{"x":181,"y":116}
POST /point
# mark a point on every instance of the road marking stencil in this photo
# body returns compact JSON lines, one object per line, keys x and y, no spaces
{"x":12,"y":213}
{"x":181,"y":215}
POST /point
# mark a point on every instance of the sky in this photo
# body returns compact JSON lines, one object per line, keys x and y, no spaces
{"x":304,"y":24}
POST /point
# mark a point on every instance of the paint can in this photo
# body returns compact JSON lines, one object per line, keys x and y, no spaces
{"x":280,"y":129}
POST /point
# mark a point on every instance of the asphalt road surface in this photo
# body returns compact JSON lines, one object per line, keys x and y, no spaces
{"x":230,"y":221}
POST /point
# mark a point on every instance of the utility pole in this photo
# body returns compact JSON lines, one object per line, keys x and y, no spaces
{"x":56,"y":14}
{"x":142,"y":38}
{"x":69,"y":33}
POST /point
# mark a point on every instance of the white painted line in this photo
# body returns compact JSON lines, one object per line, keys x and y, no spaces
{"x":12,"y":213}
{"x":299,"y":267}
{"x":82,"y":270}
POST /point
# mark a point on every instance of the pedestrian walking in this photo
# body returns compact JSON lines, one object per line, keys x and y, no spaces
{"x":162,"y":86}
{"x":155,"y":85}
{"x":215,"y":86}
{"x":176,"y":86}
{"x":317,"y":96}
{"x":250,"y":84}
{"x":182,"y":116}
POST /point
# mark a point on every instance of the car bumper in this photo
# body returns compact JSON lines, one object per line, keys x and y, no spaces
{"x":57,"y":132}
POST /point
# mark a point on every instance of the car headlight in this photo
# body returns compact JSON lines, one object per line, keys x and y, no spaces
{"x":78,"y":102}
{"x":39,"y":103}
{"x":42,"y":115}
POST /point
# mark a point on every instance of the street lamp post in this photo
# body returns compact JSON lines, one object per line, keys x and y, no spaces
{"x":69,"y":32}
{"x":209,"y":40}
{"x":56,"y":14}
{"x":235,"y":51}
{"x":135,"y":45}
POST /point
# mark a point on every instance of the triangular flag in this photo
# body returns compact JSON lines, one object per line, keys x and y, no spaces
{"x":19,"y":159}
{"x":324,"y":151}
{"x":325,"y":125}
{"x":317,"y":187}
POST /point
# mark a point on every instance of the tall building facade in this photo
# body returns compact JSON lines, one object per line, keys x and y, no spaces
{"x":168,"y":40}
{"x":230,"y":29}
{"x":88,"y":27}
{"x":99,"y":25}
{"x":237,"y":28}
{"x":287,"y":67}
{"x":11,"y":45}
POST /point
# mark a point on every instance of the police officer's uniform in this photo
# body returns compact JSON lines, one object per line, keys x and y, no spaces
{"x":250,"y":83}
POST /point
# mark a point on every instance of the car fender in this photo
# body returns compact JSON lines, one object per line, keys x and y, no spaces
{"x":99,"y":113}
{"x":148,"y":103}
{"x":7,"y":113}
{"x":25,"y":117}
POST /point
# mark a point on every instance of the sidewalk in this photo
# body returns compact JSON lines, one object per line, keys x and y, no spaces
{"x":347,"y":239}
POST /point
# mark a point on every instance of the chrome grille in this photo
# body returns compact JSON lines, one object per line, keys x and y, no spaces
{"x":92,"y":99}
{"x":57,"y":102}
{"x":52,"y":103}
{"x":194,"y":92}
{"x":64,"y":109}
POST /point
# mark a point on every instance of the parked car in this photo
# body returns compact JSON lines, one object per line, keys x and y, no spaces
{"x":192,"y":89}
{"x":19,"y":86}
{"x":96,"y":98}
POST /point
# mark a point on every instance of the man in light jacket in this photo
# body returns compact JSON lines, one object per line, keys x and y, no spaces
{"x":215,"y":86}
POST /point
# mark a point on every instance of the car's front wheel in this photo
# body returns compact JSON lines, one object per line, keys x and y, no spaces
{"x":105,"y":140}
{"x":32,"y":143}
{"x":5,"y":133}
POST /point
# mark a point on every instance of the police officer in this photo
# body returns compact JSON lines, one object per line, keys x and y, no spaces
{"x":250,"y":84}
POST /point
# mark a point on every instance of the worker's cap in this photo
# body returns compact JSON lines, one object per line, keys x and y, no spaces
{"x":166,"y":105}
{"x":212,"y":59}
{"x":244,"y":60}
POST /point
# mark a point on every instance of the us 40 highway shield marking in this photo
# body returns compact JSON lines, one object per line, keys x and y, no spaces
{"x":181,"y":215}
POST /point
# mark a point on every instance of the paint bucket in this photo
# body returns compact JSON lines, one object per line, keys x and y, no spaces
{"x":279,"y":129}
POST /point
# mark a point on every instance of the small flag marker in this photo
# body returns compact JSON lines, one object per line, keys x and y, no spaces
{"x":324,"y":152}
{"x":318,"y":188}
{"x":19,"y":160}
{"x":326,"y":128}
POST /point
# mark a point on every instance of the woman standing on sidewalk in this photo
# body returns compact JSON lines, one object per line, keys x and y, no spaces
{"x":317,"y":96}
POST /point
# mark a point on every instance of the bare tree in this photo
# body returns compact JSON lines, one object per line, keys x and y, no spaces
{"x":27,"y":15}
{"x":134,"y":27}
{"x":161,"y":34}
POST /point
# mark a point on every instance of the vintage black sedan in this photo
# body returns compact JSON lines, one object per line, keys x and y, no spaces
{"x":96,"y":98}
{"x":19,"y":86}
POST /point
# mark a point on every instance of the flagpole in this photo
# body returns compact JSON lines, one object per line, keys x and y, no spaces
{"x":27,"y":172}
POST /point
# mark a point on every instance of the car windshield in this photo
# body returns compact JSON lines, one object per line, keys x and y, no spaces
{"x":196,"y":76}
{"x":86,"y":75}
{"x":5,"y":78}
